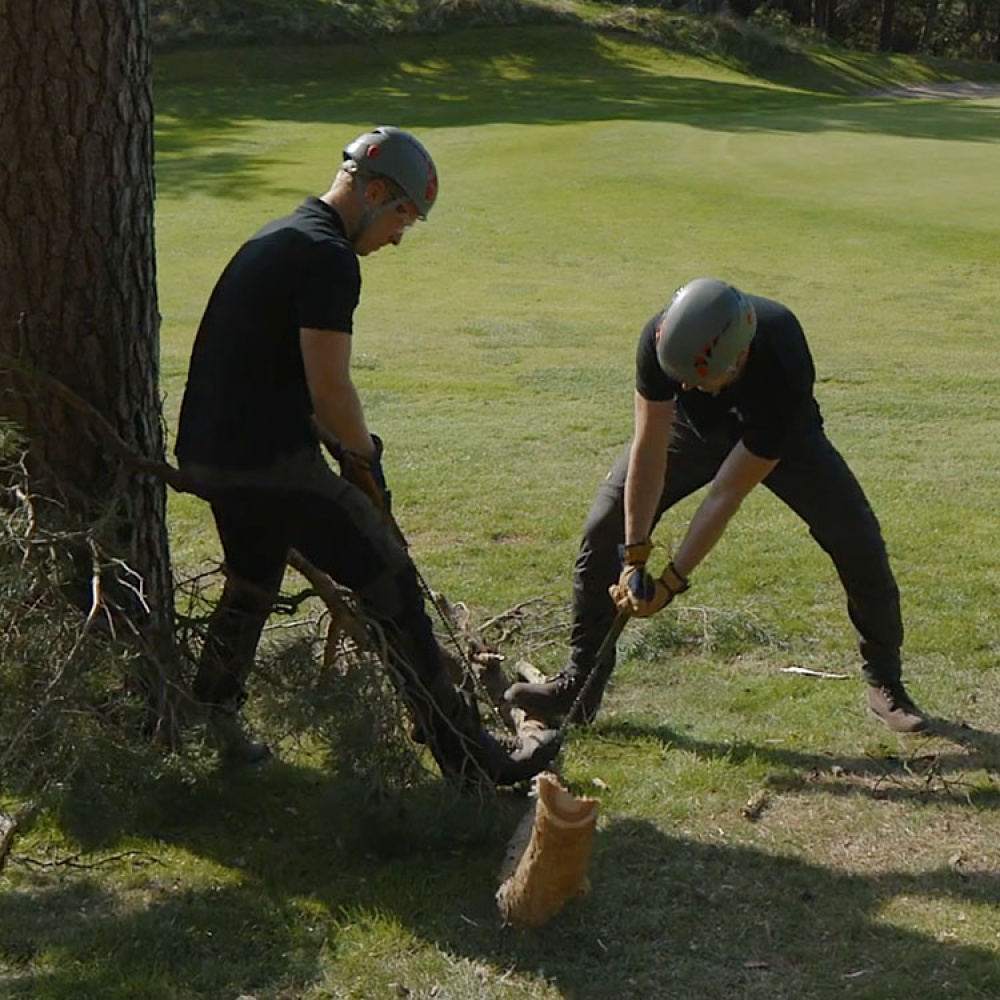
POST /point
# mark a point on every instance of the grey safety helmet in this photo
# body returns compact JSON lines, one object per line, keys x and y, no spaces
{"x":703,"y":330}
{"x":393,"y":153}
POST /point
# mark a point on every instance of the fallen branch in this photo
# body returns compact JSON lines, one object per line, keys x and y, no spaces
{"x":821,"y":674}
{"x":343,"y":620}
{"x":73,"y":861}
{"x":159,"y":469}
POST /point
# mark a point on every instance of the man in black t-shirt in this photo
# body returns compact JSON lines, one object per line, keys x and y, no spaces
{"x":269,"y":380}
{"x":724,"y":395}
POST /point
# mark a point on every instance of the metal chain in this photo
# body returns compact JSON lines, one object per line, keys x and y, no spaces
{"x":449,"y":628}
{"x":463,"y":657}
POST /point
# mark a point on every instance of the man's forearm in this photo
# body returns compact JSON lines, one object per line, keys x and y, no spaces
{"x":737,"y":476}
{"x":706,"y":528}
{"x":647,"y":469}
{"x":340,"y":417}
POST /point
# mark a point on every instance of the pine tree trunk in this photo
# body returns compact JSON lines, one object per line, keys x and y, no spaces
{"x":887,"y":23}
{"x":928,"y":29}
{"x":78,"y":289}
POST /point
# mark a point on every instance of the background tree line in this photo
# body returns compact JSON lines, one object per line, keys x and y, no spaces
{"x":967,"y":29}
{"x":959,"y":28}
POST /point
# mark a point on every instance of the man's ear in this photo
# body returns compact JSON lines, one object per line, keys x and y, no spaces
{"x":375,"y":190}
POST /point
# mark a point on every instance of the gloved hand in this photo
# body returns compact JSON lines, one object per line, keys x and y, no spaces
{"x":637,"y":592}
{"x":367,"y":475}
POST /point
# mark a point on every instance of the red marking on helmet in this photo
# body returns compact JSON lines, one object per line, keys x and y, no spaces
{"x":704,"y":356}
{"x":706,"y":351}
{"x":432,"y":184}
{"x":372,"y":152}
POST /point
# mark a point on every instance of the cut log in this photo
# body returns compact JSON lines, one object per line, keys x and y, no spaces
{"x":548,"y":858}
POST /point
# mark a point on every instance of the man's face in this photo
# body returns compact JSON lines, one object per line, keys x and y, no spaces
{"x":393,"y":212}
{"x":712,"y":385}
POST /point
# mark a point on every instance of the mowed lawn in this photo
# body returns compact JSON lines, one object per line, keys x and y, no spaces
{"x":582,"y":180}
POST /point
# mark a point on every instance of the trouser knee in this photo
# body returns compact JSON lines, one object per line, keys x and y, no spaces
{"x":231,"y":640}
{"x":598,"y":565}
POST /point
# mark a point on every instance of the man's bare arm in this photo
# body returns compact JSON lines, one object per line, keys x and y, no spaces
{"x":647,"y":466}
{"x":737,"y":476}
{"x":326,"y":356}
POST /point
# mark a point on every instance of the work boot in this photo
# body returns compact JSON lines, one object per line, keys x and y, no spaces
{"x":468,"y":753}
{"x":892,"y":705}
{"x":506,"y":760}
{"x":229,"y":735}
{"x":552,"y":699}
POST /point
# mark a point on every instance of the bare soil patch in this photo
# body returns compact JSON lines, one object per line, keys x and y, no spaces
{"x":960,"y":90}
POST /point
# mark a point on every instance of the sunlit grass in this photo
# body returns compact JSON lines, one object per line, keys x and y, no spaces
{"x":582,"y":181}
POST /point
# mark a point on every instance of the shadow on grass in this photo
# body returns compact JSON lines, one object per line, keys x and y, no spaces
{"x":521,"y":76}
{"x":176,"y":939}
{"x":983,"y":742}
{"x":296,"y":871}
{"x":928,"y":775}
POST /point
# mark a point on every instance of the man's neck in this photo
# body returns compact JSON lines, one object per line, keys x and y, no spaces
{"x":345,"y":205}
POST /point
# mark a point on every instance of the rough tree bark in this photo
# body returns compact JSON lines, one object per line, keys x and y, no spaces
{"x":78,"y":290}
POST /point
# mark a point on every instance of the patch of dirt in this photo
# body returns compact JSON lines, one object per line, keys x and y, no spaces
{"x":962,"y":90}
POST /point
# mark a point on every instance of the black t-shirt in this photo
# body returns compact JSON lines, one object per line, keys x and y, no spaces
{"x":767,"y":405}
{"x":247,"y":400}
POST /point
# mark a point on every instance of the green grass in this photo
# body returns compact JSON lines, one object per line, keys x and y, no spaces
{"x":583,"y":179}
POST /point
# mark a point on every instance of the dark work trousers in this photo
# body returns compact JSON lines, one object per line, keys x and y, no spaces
{"x":303,"y":504}
{"x":812,"y":479}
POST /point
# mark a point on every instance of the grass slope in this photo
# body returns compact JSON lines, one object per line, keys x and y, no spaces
{"x":583,"y":178}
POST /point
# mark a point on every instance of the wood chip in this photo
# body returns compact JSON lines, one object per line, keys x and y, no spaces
{"x":8,"y":827}
{"x":529,"y":673}
{"x":755,"y":805}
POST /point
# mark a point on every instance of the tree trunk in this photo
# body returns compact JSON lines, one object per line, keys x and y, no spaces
{"x":78,"y":294}
{"x":974,"y":23}
{"x":886,"y":25}
{"x":928,"y":30}
{"x":822,"y":16}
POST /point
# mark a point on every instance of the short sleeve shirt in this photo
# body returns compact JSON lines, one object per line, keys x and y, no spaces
{"x":247,"y":400}
{"x":769,"y":403}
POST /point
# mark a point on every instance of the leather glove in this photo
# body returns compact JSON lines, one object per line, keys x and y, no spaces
{"x":637,"y":592}
{"x":367,"y":475}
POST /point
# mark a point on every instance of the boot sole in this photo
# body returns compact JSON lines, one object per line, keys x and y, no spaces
{"x":919,"y":727}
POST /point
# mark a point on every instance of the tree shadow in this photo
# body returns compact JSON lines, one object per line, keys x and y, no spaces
{"x":156,"y":951}
{"x":675,"y":917}
{"x":668,"y":916}
{"x":280,"y":839}
{"x":984,"y":742}
{"x":540,"y":76}
{"x":927,"y":776}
